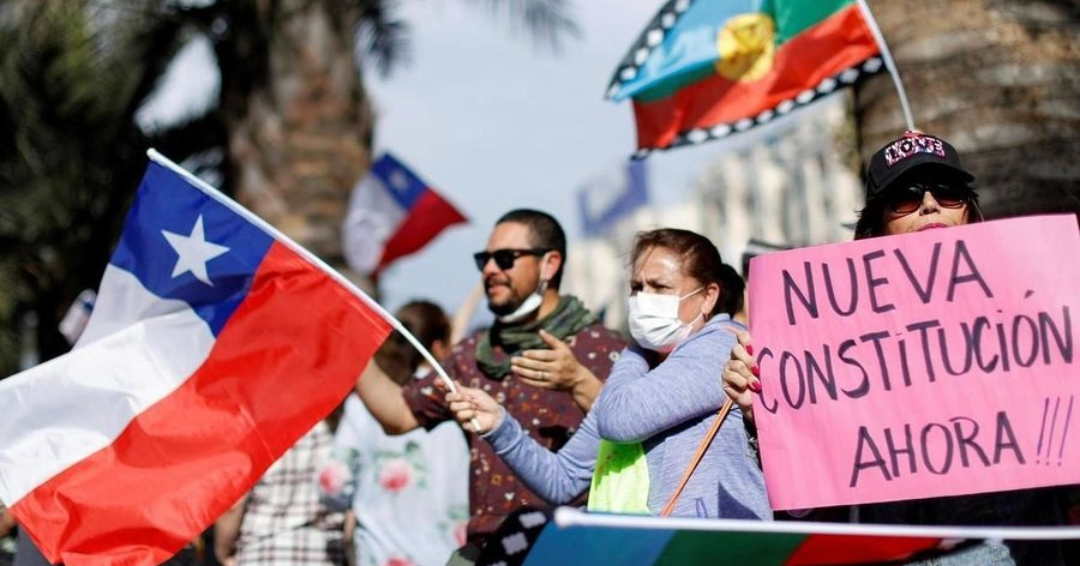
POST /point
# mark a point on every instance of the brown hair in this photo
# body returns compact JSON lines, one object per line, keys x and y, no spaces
{"x":428,"y":323}
{"x":701,"y":260}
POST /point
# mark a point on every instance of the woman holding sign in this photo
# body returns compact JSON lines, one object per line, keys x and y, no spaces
{"x":916,"y":183}
{"x":659,"y":404}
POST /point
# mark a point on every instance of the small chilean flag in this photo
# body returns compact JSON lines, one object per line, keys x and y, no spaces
{"x":392,"y":213}
{"x":215,"y":343}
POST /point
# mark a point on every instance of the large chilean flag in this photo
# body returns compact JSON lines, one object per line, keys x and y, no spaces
{"x":214,"y":345}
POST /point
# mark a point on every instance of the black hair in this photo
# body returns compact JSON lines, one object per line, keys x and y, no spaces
{"x":731,"y":290}
{"x":871,"y":222}
{"x":544,"y":233}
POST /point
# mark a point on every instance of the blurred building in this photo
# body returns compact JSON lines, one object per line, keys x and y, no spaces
{"x":795,"y":185}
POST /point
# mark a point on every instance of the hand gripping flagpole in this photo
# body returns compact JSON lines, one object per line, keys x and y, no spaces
{"x":886,"y":57}
{"x":300,"y":250}
{"x":423,"y":352}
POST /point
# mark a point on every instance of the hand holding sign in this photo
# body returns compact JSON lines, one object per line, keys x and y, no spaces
{"x":931,"y":364}
{"x":738,"y":378}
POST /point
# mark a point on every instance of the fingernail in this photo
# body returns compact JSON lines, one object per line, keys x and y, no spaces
{"x":750,"y":349}
{"x":754,"y":370}
{"x":755,"y":386}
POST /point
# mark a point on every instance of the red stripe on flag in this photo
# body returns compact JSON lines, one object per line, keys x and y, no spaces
{"x":286,"y":358}
{"x":430,"y":215}
{"x":836,"y":43}
{"x":857,"y":549}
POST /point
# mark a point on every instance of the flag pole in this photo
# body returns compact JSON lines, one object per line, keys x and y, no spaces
{"x":886,"y":57}
{"x":314,"y":259}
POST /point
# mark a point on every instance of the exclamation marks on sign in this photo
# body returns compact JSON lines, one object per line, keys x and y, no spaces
{"x":1049,"y":434}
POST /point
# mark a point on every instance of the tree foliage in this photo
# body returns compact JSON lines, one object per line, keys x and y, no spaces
{"x":73,"y":75}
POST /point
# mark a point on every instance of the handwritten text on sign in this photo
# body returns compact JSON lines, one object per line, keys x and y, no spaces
{"x":930,"y":364}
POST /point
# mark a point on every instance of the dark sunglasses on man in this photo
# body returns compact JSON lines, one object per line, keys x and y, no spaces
{"x":909,"y":199}
{"x":505,"y":258}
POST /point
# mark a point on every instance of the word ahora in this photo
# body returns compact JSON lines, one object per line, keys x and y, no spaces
{"x":938,"y":448}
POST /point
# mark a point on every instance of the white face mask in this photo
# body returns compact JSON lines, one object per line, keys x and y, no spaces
{"x":655,"y":323}
{"x":527,"y":307}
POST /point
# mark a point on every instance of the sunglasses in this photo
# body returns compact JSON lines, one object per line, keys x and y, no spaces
{"x":505,"y":258}
{"x":908,"y":200}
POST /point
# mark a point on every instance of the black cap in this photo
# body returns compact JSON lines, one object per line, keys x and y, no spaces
{"x":913,"y":150}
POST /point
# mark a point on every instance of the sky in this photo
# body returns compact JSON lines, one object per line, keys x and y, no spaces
{"x":496,"y":123}
{"x":493,"y":122}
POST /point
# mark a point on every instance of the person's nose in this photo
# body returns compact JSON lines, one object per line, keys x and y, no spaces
{"x":929,"y":204}
{"x":490,"y":268}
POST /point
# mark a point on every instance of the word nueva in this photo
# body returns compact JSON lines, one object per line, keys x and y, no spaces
{"x":861,"y":279}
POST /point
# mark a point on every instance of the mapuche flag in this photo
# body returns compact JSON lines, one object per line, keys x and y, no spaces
{"x":215,"y":343}
{"x":704,"y":69}
{"x":531,"y":537}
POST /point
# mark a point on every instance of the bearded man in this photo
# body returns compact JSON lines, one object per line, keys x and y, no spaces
{"x":544,"y":359}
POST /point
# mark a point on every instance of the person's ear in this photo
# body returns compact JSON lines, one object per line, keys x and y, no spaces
{"x":712,"y":295}
{"x":550,"y":264}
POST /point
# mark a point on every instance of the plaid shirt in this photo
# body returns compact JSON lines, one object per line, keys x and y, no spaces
{"x":549,"y":417}
{"x":284,"y":523}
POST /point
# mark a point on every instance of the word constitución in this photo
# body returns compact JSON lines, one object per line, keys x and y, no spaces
{"x":841,"y":371}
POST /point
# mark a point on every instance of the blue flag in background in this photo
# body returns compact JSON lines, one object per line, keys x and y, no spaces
{"x":603,"y":202}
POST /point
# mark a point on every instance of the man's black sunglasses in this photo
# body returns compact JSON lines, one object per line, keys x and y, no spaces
{"x":908,"y":200}
{"x":504,"y":259}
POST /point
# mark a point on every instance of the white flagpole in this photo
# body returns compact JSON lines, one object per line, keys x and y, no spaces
{"x":566,"y":517}
{"x":886,"y":57}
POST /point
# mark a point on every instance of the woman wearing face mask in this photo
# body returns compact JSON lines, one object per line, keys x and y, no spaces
{"x":659,"y":401}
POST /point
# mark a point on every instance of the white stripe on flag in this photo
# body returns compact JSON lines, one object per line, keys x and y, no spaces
{"x":124,"y":301}
{"x":106,"y":386}
{"x":372,"y":218}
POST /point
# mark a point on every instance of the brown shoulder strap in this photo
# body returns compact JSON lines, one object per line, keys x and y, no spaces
{"x":705,"y":442}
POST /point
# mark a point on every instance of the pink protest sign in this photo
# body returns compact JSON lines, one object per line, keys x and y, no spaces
{"x":930,"y":364}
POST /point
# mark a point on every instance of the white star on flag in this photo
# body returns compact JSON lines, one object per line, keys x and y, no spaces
{"x":399,"y":181}
{"x":193,"y":251}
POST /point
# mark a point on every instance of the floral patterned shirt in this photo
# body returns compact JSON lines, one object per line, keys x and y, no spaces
{"x":409,"y":492}
{"x":549,"y":417}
